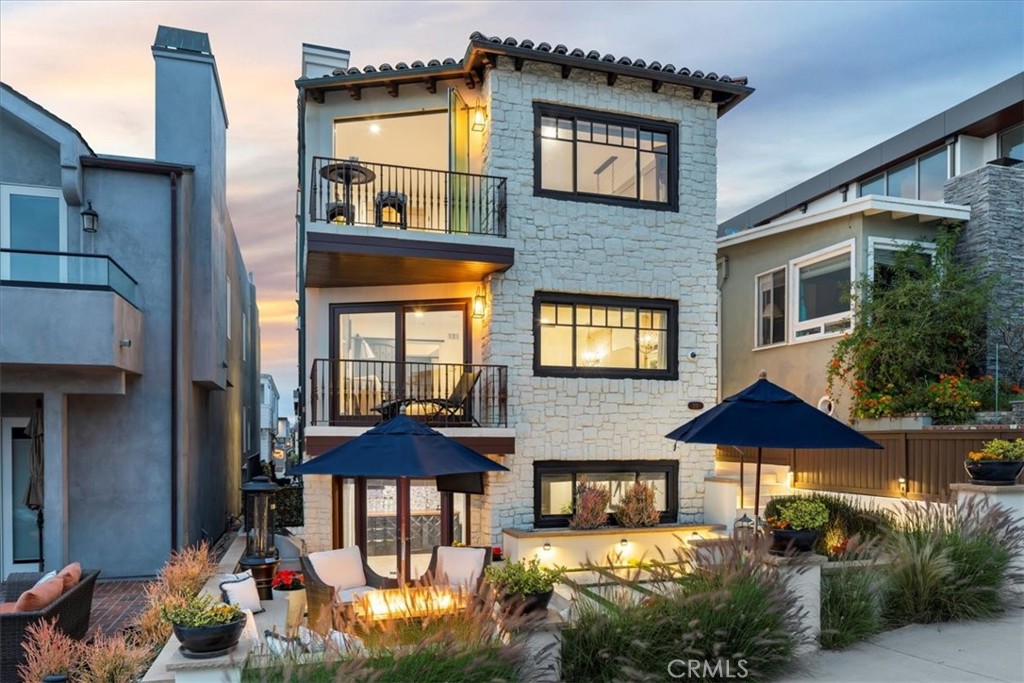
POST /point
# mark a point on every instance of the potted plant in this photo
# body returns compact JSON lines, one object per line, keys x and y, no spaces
{"x":797,"y":525}
{"x":204,"y":627}
{"x":998,"y":463}
{"x":290,"y":586}
{"x":524,"y":587}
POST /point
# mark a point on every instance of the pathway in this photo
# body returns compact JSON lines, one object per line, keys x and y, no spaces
{"x":115,"y":604}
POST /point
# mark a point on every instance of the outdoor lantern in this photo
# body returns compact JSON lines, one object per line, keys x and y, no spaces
{"x":90,"y":219}
{"x":260,"y":554}
{"x":743,"y":528}
{"x":479,"y":303}
{"x":479,"y":117}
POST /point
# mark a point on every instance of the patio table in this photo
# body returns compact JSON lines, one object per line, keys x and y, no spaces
{"x":348,"y":173}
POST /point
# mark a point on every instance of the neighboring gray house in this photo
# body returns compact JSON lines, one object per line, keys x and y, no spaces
{"x":269,"y":399}
{"x":518,"y":246}
{"x":130,"y":323}
{"x":786,"y":265}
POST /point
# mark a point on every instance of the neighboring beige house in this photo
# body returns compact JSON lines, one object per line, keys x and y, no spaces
{"x":786,"y":265}
{"x":526,"y":237}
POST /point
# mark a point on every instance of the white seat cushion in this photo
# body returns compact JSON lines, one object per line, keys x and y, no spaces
{"x":459,"y":566}
{"x":341,"y":568}
{"x":350,"y":594}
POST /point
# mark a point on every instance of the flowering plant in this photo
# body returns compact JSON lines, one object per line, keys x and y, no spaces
{"x":591,"y":506}
{"x":287,"y":580}
{"x":999,"y":450}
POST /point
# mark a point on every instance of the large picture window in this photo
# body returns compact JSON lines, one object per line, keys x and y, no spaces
{"x":820,"y":296}
{"x":555,"y":482}
{"x":591,"y":156}
{"x":578,"y":335}
{"x":921,"y":178}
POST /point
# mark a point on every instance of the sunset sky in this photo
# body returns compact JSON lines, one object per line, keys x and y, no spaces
{"x":832,"y":79}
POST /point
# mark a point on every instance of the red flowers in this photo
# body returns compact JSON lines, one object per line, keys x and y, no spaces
{"x":287,"y":580}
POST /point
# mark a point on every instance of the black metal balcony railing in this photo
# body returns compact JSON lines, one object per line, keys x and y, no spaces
{"x":365,"y":392}
{"x":355,"y":192}
{"x":62,"y":269}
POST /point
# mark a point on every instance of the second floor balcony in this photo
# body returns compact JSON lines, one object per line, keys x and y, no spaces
{"x":347,"y":392}
{"x":369,"y":194}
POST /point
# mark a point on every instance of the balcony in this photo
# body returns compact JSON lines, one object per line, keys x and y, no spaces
{"x":67,"y":309}
{"x":364,"y":193}
{"x":346,"y":392}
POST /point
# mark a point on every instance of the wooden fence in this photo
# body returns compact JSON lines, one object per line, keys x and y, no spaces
{"x":929,"y":460}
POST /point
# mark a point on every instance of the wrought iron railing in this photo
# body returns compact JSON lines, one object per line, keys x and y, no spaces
{"x":68,"y":270}
{"x":365,"y":392}
{"x":356,"y":192}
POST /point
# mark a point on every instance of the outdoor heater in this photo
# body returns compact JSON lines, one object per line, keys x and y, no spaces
{"x":260,"y":554}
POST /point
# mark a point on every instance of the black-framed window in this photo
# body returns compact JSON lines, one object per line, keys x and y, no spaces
{"x":608,"y":158}
{"x":555,"y":482}
{"x":582,"y":335}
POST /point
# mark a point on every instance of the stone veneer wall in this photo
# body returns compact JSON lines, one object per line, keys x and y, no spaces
{"x":994,"y":240}
{"x":318,"y":529}
{"x":595,"y":248}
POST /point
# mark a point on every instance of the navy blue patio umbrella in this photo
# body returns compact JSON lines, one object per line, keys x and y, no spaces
{"x":404,"y":448}
{"x":764,"y":415}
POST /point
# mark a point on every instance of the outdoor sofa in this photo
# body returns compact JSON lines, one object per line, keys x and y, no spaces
{"x":71,"y":609}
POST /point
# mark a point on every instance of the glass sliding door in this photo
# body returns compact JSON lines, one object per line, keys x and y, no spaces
{"x":381,"y":533}
{"x":425,"y":524}
{"x":366,"y":377}
{"x":19,"y":531}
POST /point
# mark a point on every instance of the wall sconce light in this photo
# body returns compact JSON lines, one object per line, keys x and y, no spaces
{"x":90,"y":219}
{"x":903,"y":485}
{"x":479,"y":303}
{"x":479,"y":117}
{"x":125,"y":343}
{"x":547,"y":547}
{"x":623,"y":543}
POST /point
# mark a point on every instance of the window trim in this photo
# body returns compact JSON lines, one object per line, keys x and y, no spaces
{"x":542,"y":467}
{"x":793,"y":295}
{"x":541,"y":109}
{"x":670,"y":306}
{"x":893,"y":244}
{"x":757,"y":314}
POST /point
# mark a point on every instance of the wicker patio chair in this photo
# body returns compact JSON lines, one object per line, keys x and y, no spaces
{"x":321,"y":596}
{"x":71,"y":609}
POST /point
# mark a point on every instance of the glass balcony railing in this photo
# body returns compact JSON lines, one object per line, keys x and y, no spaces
{"x":365,"y":193}
{"x":66,"y":270}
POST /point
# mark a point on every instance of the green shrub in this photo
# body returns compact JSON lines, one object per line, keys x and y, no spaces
{"x":801,"y":514}
{"x":200,"y":610}
{"x":732,"y":611}
{"x":523,"y":578}
{"x":850,"y":610}
{"x":950,"y":563}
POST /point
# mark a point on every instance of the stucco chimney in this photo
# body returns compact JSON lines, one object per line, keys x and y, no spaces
{"x":319,"y":61}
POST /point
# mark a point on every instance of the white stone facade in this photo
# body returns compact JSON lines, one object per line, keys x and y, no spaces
{"x":568,"y":246}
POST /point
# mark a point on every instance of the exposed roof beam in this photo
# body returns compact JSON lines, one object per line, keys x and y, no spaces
{"x":612,"y":77}
{"x":566,"y":70}
{"x":698,"y":94}
{"x":470,"y":80}
{"x":316,"y":95}
{"x":356,"y":92}
{"x":656,"y":86}
{"x":431,"y":85}
{"x":392,"y":88}
{"x":518,"y":62}
{"x":896,"y":215}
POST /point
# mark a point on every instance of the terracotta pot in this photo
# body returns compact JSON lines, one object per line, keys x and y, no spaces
{"x":802,"y":541}
{"x":993,"y":472}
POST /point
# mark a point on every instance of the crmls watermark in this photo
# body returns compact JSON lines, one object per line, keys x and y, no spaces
{"x":701,"y":669}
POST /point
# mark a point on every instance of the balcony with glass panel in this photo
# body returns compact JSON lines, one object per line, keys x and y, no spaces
{"x":68,"y":309}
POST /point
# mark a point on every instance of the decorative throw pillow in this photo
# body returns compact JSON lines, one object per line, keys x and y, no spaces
{"x":47,"y":576}
{"x":282,"y":646}
{"x":8,"y":607}
{"x":39,"y":597}
{"x":242,"y":592}
{"x":71,"y":575}
{"x":236,"y":577}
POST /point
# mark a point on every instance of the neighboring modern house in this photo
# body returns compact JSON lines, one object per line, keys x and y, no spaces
{"x":519,"y":247}
{"x":269,"y":399}
{"x":786,"y":265}
{"x":129,"y":324}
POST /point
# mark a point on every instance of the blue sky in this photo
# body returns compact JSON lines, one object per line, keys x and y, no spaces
{"x":832,"y":79}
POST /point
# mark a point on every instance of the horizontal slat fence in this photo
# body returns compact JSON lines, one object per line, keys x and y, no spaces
{"x":930,"y":460}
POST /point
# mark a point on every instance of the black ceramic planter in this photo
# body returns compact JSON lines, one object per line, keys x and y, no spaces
{"x":526,"y":604}
{"x":993,"y":472}
{"x":200,"y":640}
{"x":801,"y":541}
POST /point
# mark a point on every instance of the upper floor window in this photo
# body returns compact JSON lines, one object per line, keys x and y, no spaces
{"x":920,"y":178}
{"x":1011,"y":143}
{"x":608,"y":158}
{"x":32,"y":219}
{"x":579,"y":335}
{"x":820,"y":297}
{"x":887,"y":256}
{"x":771,"y":308}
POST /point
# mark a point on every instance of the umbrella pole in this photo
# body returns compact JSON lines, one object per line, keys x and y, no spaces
{"x":757,"y":491}
{"x":39,"y":524}
{"x":742,"y":467}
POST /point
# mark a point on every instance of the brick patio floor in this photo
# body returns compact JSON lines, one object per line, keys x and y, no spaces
{"x":115,"y":604}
